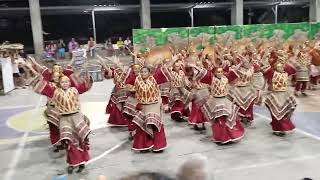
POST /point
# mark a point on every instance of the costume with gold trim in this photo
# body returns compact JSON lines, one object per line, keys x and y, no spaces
{"x":280,"y":102}
{"x":242,"y":93}
{"x":218,"y":109}
{"x":73,"y":125}
{"x":149,"y":130}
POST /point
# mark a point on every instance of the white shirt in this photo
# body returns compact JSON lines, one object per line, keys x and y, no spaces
{"x":127,"y":42}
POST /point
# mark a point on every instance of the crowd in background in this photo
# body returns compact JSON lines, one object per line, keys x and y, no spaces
{"x":58,"y":49}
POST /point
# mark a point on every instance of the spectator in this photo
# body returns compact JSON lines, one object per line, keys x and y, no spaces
{"x":19,"y":82}
{"x":91,"y":46}
{"x":108,"y":46}
{"x":61,"y":49}
{"x":73,"y":45}
{"x":51,"y":49}
{"x":128,"y":43}
{"x":120,"y":45}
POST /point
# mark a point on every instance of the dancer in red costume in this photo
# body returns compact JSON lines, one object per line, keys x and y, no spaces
{"x":179,"y":95}
{"x":73,"y":127}
{"x":218,"y":109}
{"x":149,"y":133}
{"x":196,"y":117}
{"x":119,"y":94}
{"x":302,"y":65}
{"x":279,"y":101}
{"x":52,"y":76}
{"x":129,"y":108}
{"x":165,"y":92}
{"x":315,"y":67}
{"x":243,"y":94}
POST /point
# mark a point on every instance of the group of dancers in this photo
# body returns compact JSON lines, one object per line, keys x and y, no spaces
{"x":221,"y":89}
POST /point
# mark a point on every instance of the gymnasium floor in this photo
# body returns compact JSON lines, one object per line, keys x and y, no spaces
{"x":26,"y":154}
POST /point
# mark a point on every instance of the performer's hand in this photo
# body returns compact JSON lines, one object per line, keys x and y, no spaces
{"x":139,"y":107}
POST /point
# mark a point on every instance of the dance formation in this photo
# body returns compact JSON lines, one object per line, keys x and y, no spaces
{"x":220,"y":89}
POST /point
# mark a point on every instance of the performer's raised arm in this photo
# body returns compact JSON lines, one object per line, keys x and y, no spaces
{"x":82,"y":81}
{"x":44,"y":87}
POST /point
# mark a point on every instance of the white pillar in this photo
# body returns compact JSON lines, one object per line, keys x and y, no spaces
{"x":314,"y":11}
{"x":36,"y":25}
{"x":237,"y":13}
{"x":94,"y":26}
{"x":145,"y":17}
{"x":191,"y":17}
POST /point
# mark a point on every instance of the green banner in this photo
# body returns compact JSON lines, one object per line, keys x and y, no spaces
{"x":199,"y":37}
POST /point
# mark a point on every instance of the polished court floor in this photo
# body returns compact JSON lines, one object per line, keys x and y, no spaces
{"x":26,"y":154}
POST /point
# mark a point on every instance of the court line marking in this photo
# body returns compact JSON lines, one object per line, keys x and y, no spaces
{"x":100,"y":156}
{"x":18,"y":153}
{"x":18,"y":107}
{"x":278,"y":162}
{"x":107,"y":152}
{"x":296,"y":129}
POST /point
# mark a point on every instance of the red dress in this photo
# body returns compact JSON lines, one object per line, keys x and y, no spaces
{"x":51,"y":113}
{"x":73,"y":126}
{"x":219,"y":110}
{"x":179,"y":95}
{"x":149,"y":130}
{"x":243,"y":94}
{"x":196,"y":116}
{"x":118,"y":97}
{"x":279,"y":101}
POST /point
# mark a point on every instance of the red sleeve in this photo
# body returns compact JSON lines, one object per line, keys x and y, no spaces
{"x":46,"y":74}
{"x":226,"y":68}
{"x":289,"y":69}
{"x":268,"y":73}
{"x":231,"y":75}
{"x":256,"y":67}
{"x":205,"y":76}
{"x":81,"y":84}
{"x":67,"y":71}
{"x":161,"y":75}
{"x":42,"y":86}
{"x":131,"y":78}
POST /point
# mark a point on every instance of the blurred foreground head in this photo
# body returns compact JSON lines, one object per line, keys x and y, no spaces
{"x":195,"y":168}
{"x":101,"y":177}
{"x":148,"y":176}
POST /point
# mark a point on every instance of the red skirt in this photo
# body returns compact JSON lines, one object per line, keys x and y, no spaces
{"x":165,"y":100}
{"x":223,"y":134}
{"x":196,"y":116}
{"x":116,"y":117}
{"x":109,"y":106}
{"x":178,"y":110}
{"x":76,"y":156}
{"x":143,"y":141}
{"x":54,"y":133}
{"x":283,"y":125}
{"x":247,"y":113}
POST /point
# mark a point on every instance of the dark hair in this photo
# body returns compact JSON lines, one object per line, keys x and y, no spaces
{"x":146,"y":67}
{"x":306,"y":179}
